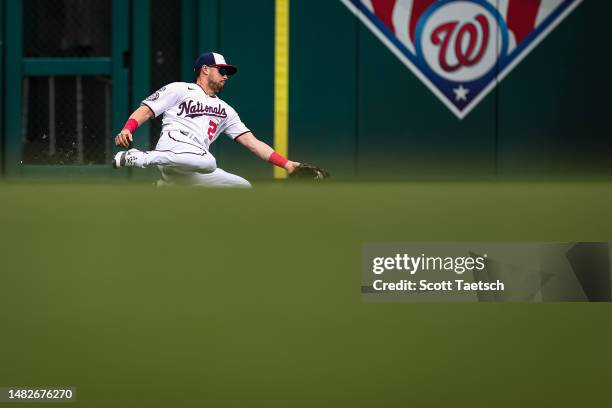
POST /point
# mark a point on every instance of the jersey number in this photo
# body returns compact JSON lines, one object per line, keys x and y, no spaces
{"x":211,"y":130}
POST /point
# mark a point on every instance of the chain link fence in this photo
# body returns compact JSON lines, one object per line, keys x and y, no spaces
{"x":67,"y":28}
{"x":66,"y":120}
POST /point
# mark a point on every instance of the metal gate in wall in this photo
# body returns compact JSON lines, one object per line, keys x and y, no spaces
{"x":66,"y":84}
{"x":74,"y":69}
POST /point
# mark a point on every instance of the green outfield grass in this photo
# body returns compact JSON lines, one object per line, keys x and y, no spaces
{"x":191,"y":297}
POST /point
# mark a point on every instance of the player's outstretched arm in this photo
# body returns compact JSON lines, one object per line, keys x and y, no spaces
{"x":137,"y":118}
{"x":265,"y":152}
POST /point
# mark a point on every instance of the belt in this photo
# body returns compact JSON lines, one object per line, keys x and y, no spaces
{"x":182,"y":141}
{"x":176,"y":130}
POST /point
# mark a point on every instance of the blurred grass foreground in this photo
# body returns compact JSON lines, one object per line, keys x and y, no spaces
{"x":196,"y":297}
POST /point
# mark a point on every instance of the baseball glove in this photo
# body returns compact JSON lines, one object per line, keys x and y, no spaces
{"x":308,"y":171}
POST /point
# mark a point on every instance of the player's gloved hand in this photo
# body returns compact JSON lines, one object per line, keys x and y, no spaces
{"x":308,"y":171}
{"x":123,"y":138}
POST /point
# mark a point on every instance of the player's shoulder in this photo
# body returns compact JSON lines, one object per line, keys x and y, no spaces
{"x":180,"y":87}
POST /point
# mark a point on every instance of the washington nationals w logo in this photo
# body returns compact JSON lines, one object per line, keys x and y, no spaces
{"x":467,"y":55}
{"x":461,"y":49}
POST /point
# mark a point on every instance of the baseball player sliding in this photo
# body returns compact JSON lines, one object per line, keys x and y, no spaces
{"x":194,"y":117}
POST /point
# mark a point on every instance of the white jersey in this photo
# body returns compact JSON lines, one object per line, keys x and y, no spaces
{"x":187,"y":108}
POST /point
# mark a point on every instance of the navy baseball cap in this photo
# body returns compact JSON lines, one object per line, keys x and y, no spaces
{"x":215,"y":60}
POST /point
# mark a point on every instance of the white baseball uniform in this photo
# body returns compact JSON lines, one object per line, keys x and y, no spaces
{"x":192,"y":121}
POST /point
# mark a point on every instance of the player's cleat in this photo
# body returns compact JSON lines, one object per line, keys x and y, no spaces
{"x":130,"y":158}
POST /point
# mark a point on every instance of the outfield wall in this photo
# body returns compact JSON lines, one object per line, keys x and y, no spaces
{"x":353,"y":106}
{"x":352,"y":99}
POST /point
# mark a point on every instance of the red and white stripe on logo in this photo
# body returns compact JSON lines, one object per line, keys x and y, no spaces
{"x":524,"y":16}
{"x":401,"y":16}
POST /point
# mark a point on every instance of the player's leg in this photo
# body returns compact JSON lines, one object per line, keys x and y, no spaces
{"x":221,"y":178}
{"x":173,"y":150}
{"x":185,"y":161}
{"x":194,"y":162}
{"x":218,"y":178}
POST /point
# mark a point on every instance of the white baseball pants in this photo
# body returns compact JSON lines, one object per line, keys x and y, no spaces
{"x":183,"y":162}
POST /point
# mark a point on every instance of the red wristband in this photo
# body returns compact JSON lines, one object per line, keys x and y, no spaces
{"x":131,"y":125}
{"x":277,"y":160}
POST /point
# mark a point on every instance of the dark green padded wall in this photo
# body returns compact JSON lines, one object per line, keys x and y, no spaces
{"x":406,"y":132}
{"x":357,"y":109}
{"x":323,"y":86}
{"x":554,"y":108}
{"x":246,"y":38}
